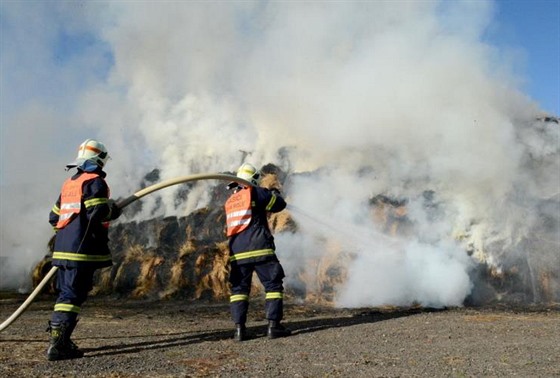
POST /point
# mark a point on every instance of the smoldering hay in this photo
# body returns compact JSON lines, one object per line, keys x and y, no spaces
{"x":352,"y":100}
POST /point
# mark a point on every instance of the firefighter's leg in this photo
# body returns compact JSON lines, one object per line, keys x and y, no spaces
{"x":73,"y":285}
{"x":240,"y":279}
{"x":271,"y":275}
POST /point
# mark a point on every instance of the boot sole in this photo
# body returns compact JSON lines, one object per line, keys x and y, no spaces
{"x":59,"y":357}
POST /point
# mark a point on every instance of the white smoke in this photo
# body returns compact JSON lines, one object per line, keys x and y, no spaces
{"x":371,"y":97}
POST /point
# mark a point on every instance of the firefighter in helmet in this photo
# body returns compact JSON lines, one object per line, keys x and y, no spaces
{"x":80,"y":218}
{"x":252,"y":249}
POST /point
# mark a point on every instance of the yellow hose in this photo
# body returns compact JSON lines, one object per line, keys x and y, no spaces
{"x":122,"y":204}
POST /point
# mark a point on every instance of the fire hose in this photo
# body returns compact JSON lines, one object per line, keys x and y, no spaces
{"x":122,"y":204}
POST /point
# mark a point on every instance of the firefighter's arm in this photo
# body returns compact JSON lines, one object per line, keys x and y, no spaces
{"x":96,"y":201}
{"x":275,"y":201}
{"x":54,"y":214}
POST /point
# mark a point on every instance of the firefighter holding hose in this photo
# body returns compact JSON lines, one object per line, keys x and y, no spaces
{"x":80,"y":218}
{"x":252,"y":249}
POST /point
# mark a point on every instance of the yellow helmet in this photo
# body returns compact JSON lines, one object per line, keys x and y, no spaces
{"x":250,"y":173}
{"x":91,"y":150}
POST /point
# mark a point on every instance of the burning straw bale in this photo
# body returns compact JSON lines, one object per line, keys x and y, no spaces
{"x":319,"y":278}
{"x":187,"y":257}
{"x":128,"y":272}
{"x":211,"y":269}
{"x":147,"y":281}
{"x":178,"y":279}
{"x":390,"y":214}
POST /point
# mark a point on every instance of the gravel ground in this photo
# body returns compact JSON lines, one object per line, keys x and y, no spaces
{"x":181,"y":339}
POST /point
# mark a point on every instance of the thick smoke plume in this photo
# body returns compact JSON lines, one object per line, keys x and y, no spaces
{"x":402,"y":99}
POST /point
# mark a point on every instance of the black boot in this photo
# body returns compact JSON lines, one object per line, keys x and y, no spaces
{"x":275,"y":329}
{"x":61,"y":348}
{"x":239,"y":334}
{"x":69,"y":330}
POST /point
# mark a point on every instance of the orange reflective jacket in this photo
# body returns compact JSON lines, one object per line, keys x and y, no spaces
{"x":71,"y":198}
{"x":238,"y":211}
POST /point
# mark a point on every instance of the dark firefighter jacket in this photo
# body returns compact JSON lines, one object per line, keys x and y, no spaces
{"x":255,"y":242}
{"x":84,"y":240}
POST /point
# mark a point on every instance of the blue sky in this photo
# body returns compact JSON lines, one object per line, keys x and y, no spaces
{"x":533,"y":26}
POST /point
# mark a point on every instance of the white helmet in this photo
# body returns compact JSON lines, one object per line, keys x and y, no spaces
{"x":250,"y":173}
{"x":91,"y":150}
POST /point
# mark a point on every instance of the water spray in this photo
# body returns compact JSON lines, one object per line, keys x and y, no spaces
{"x":122,"y":204}
{"x":364,"y":239}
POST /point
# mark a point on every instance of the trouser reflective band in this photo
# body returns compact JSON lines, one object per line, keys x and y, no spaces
{"x":275,"y":295}
{"x":239,"y":304}
{"x":238,"y":297}
{"x":274,"y":307}
{"x":66,"y":307}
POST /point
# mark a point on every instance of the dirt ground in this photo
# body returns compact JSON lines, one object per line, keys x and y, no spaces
{"x":124,"y":338}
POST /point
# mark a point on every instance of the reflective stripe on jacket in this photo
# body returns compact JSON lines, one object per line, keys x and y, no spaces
{"x":80,"y":257}
{"x":252,"y":254}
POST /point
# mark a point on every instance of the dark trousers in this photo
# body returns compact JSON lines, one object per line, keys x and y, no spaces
{"x":271,"y":275}
{"x":73,"y":285}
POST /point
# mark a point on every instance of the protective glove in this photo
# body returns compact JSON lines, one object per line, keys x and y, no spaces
{"x":115,"y":210}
